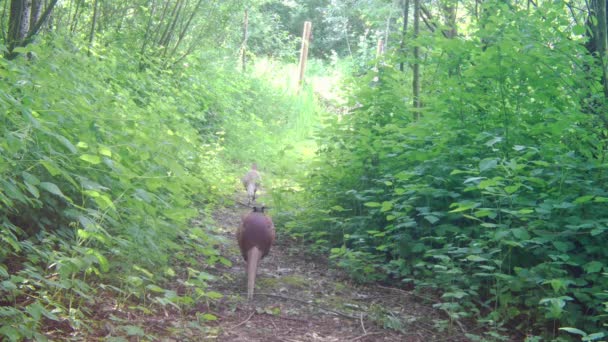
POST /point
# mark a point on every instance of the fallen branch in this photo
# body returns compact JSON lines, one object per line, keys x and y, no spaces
{"x":245,"y":321}
{"x":362,"y":325}
{"x":366,"y":335}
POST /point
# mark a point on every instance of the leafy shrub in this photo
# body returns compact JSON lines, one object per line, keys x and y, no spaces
{"x":494,"y":198}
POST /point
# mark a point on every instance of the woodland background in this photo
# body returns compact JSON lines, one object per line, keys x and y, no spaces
{"x":466,"y":158}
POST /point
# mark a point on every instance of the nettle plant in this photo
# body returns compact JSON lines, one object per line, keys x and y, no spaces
{"x":494,"y":197}
{"x":99,"y":174}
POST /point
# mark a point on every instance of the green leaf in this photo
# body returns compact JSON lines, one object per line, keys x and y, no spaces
{"x":386,"y":206}
{"x":133,"y":330}
{"x":584,"y":199}
{"x":52,"y":188}
{"x":155,"y":288}
{"x":593,"y":267}
{"x":51,"y":168}
{"x":104,"y":151}
{"x":89,"y":158}
{"x":578,"y":29}
{"x":432,"y":219}
{"x":512,"y":188}
{"x":35,"y":310}
{"x":463,"y":206}
{"x":209,"y":317}
{"x":574,"y":331}
{"x":65,"y":142}
{"x":488,"y":164}
{"x":476,"y":258}
{"x":372,"y":204}
{"x":10,"y":332}
{"x":520,"y":233}
{"x":214,"y":295}
{"x":561,"y":246}
{"x":594,"y":336}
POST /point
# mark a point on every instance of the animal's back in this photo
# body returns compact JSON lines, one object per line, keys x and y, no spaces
{"x":256,"y":230}
{"x":251,"y":177}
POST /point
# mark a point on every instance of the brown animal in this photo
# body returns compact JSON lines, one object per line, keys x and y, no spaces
{"x":251,"y":182}
{"x":255,"y":236}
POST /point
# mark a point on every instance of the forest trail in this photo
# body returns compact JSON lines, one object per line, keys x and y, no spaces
{"x":299,"y":298}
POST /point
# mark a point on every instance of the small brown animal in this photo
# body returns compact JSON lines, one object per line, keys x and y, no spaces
{"x":251,"y":182}
{"x":255,"y":236}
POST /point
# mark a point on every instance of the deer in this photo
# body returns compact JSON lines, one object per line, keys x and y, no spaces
{"x":255,"y":236}
{"x":251,"y":182}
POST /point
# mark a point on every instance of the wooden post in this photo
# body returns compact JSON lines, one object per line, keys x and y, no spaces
{"x":380,"y":48}
{"x":304,"y":52}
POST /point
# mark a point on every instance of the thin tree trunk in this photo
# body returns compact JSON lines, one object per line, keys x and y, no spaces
{"x":93,"y":24}
{"x":18,"y":24}
{"x":142,"y":51}
{"x":74,"y":22}
{"x":416,"y":66}
{"x":406,"y":10}
{"x":449,"y":12}
{"x":185,"y":28}
{"x":36,"y":12}
{"x":602,"y":42}
{"x":168,"y":33}
{"x":160,"y":23}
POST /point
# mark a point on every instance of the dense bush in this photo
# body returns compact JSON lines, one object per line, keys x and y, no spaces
{"x":103,"y":168}
{"x":495,"y":197}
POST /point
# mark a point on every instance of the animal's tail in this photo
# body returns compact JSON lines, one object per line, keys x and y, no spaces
{"x":253,"y":259}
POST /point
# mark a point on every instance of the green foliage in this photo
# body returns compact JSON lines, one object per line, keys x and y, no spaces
{"x":495,"y":198}
{"x":99,"y":174}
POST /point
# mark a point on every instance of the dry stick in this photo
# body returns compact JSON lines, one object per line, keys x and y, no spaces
{"x":245,"y":321}
{"x":362,"y":325}
{"x":365,"y":335}
{"x":311,"y":304}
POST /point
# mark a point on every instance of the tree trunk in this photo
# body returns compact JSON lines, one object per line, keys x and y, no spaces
{"x":449,"y":13}
{"x":93,"y":24}
{"x":22,"y":27}
{"x":601,"y":42}
{"x":406,"y":10}
{"x":18,"y":24}
{"x":147,"y":38}
{"x":416,"y":66}
{"x":36,"y":12}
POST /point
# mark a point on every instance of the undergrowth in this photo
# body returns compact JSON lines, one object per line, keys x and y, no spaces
{"x":495,"y":199}
{"x":103,"y":168}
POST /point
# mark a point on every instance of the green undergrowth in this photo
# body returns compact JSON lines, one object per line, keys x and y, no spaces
{"x":495,"y":199}
{"x":109,"y":174}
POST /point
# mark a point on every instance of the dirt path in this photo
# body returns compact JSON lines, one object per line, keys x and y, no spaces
{"x":299,"y":298}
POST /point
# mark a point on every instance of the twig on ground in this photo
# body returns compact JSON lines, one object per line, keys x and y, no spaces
{"x":293,"y":319}
{"x":245,"y":321}
{"x":362,"y":325}
{"x":307,"y":303}
{"x":365,"y":335}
